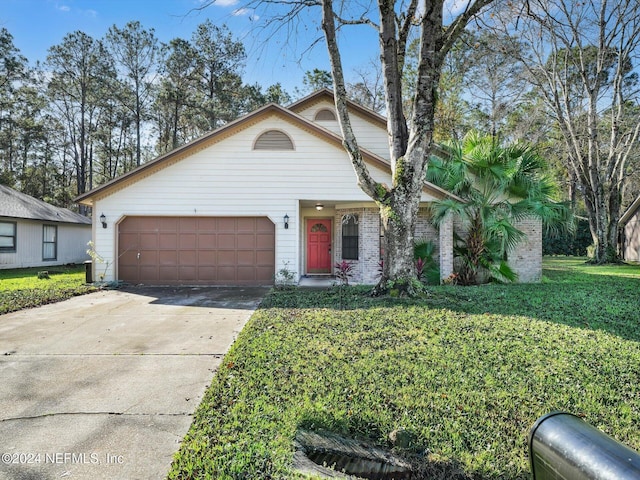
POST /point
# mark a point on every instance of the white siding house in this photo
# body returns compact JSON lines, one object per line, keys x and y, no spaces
{"x":36,"y":234}
{"x":272,"y":190}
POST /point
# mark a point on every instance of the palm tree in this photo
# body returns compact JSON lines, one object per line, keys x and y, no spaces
{"x":499,"y":186}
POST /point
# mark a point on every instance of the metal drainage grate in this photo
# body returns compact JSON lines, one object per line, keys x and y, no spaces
{"x":332,"y":456}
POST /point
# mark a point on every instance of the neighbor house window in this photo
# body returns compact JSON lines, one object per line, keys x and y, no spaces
{"x":49,"y":242}
{"x":7,"y":236}
{"x":350,"y":238}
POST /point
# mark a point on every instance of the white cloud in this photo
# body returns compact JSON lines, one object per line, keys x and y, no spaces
{"x":226,"y":3}
{"x":63,"y":8}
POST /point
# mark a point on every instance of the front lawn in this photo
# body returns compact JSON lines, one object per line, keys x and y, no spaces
{"x":466,"y":369}
{"x":21,"y":288}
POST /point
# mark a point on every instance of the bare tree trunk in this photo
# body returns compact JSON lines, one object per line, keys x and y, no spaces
{"x":409,"y":143}
{"x":582,"y":55}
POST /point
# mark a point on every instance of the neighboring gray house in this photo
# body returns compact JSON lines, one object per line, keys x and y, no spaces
{"x":630,"y":225}
{"x":36,"y":234}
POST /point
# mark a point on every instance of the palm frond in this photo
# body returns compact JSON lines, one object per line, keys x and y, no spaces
{"x":506,"y":233}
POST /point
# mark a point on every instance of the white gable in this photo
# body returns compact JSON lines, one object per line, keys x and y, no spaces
{"x":368,"y":134}
{"x":231,"y":173}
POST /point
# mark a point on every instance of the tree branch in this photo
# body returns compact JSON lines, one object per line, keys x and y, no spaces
{"x":365,"y":181}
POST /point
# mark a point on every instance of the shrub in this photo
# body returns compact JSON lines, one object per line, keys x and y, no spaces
{"x":568,"y":243}
{"x":344,"y":271}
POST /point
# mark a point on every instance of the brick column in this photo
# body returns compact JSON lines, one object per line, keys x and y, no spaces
{"x":526,"y":258}
{"x":446,"y":247}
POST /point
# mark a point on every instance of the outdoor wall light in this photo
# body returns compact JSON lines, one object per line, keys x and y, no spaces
{"x":103,"y":221}
{"x":286,"y":221}
{"x":319,"y":206}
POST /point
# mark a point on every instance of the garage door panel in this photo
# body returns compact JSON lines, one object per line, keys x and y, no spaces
{"x":246,"y":257}
{"x":186,"y":240}
{"x":226,"y":224}
{"x":128,"y":241}
{"x":227,"y":257}
{"x":206,"y":225}
{"x":168,"y":240}
{"x":245,"y":274}
{"x":264,"y":225}
{"x":167,"y":224}
{"x":227,"y":274}
{"x":196,"y":250}
{"x":187,"y":224}
{"x":207,"y":272}
{"x":148,"y":241}
{"x":148,"y":258}
{"x":246,"y":225}
{"x":207,"y":257}
{"x":128,"y":271}
{"x":187,"y":257}
{"x":246,"y":240}
{"x":168,"y":257}
{"x":148,"y":223}
{"x":207,"y":240}
{"x":129,"y":257}
{"x":226,"y":240}
{"x":188,"y":273}
{"x":264,"y":274}
{"x":264,"y":241}
{"x":168,"y":274}
{"x":150,"y":273}
{"x":264,"y":258}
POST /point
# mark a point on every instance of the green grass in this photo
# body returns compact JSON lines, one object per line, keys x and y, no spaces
{"x":21,"y":288}
{"x":467,"y":370}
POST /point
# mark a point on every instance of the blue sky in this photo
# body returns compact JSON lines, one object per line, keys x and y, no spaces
{"x":37,"y":25}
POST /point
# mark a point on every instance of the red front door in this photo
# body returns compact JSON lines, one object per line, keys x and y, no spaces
{"x":318,"y":245}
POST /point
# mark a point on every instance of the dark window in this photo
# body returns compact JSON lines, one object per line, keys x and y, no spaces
{"x":7,"y":236}
{"x":350,"y":238}
{"x":49,"y":242}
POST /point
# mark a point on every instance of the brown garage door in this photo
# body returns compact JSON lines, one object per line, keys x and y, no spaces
{"x":191,"y":251}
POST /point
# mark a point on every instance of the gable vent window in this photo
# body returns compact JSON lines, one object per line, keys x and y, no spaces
{"x":273,"y":140}
{"x":326,"y":115}
{"x":350,"y":237}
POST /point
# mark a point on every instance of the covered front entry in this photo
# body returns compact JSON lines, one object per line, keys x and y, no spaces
{"x":318,"y":245}
{"x":196,"y":250}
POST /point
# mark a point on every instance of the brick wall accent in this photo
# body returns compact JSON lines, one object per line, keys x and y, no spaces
{"x":366,"y":267}
{"x":526,"y":259}
{"x":446,"y":247}
{"x":425,"y":230}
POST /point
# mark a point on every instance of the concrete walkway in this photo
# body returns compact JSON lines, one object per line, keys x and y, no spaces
{"x":104,"y":386}
{"x":318,"y":281}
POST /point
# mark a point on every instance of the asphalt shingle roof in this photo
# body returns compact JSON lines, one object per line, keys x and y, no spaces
{"x":14,"y":204}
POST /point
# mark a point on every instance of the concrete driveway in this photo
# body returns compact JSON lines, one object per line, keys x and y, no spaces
{"x":104,"y":386}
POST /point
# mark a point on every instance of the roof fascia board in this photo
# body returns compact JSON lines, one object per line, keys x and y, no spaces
{"x":319,"y":95}
{"x":630,"y":212}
